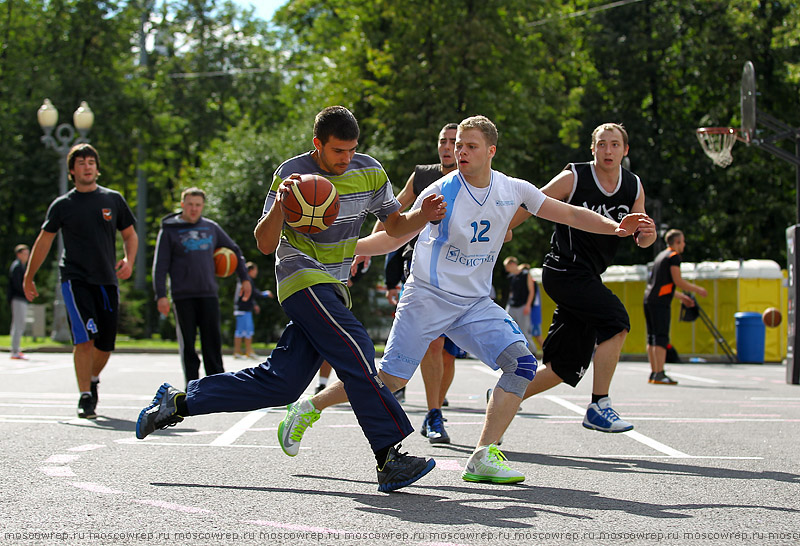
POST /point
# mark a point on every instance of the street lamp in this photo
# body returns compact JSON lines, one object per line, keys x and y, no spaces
{"x":62,"y":142}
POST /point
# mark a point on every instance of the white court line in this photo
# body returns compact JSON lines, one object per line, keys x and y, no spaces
{"x":34,"y":369}
{"x":38,"y":421}
{"x":693,"y":377}
{"x":87,"y":447}
{"x":96,"y":488}
{"x":658,"y":446}
{"x":57,"y":471}
{"x":233,"y":433}
{"x":173,"y":506}
{"x":134,"y":441}
{"x":62,"y":458}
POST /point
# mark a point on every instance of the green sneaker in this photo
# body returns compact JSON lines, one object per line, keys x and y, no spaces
{"x":488,"y":464}
{"x":299,"y":416}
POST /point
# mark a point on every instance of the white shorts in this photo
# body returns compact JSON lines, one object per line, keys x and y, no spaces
{"x":477,"y":325}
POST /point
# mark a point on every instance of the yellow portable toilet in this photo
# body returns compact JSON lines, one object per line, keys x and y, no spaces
{"x":733,"y":286}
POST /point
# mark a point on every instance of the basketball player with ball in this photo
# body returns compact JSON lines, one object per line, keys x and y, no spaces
{"x":188,"y":249}
{"x":448,"y":291}
{"x":311,"y":268}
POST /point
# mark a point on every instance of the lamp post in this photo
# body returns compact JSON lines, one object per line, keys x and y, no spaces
{"x":61,"y":140}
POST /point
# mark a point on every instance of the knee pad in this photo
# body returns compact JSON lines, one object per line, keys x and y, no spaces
{"x":518,"y":366}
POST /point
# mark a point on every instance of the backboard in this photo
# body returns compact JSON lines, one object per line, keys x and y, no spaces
{"x":748,"y":102}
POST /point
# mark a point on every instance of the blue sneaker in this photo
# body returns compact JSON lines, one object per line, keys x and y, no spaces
{"x":435,"y":430}
{"x":601,"y":416}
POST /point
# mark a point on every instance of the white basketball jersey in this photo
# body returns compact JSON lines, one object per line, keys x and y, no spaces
{"x":458,"y":254}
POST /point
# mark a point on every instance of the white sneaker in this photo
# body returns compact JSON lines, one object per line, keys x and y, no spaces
{"x":299,"y":416}
{"x":488,"y":464}
{"x":601,"y":416}
{"x":238,"y":356}
{"x":253,"y":356}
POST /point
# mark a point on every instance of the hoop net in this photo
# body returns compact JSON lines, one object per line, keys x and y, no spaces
{"x":717,"y":143}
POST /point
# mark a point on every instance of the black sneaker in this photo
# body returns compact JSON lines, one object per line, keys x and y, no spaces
{"x":401,"y":469}
{"x":93,"y":390}
{"x":445,"y":403}
{"x":435,"y":430}
{"x":86,"y":407}
{"x":424,"y":428}
{"x":161,"y":413}
{"x":319,"y":389}
{"x":400,"y":394}
{"x":660,"y":378}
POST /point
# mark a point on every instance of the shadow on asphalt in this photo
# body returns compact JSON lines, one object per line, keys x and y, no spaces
{"x":490,"y":505}
{"x":648,"y":466}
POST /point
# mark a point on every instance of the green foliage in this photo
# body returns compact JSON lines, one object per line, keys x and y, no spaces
{"x":221,"y":98}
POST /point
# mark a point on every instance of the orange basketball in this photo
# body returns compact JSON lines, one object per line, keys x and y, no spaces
{"x":312,"y":205}
{"x":225,"y":262}
{"x":771,"y":317}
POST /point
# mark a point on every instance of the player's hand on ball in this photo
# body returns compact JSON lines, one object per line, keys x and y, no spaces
{"x":434,"y":208}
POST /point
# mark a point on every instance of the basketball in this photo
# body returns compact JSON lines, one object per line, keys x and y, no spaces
{"x":312,"y":205}
{"x":225,"y":262}
{"x":771,"y":317}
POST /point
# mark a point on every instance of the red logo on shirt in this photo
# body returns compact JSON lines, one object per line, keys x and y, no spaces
{"x":107,"y":215}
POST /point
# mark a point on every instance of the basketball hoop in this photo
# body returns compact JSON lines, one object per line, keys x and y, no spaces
{"x":717,"y":143}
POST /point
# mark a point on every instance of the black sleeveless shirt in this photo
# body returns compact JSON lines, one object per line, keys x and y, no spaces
{"x":572,"y":248}
{"x":424,"y":176}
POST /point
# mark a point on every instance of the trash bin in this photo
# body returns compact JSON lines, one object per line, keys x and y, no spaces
{"x":750,"y":336}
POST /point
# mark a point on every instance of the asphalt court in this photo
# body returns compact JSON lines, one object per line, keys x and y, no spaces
{"x":713,"y":460}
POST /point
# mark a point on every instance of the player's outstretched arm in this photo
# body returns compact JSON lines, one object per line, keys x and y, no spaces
{"x":432,"y":209}
{"x":379,"y":243}
{"x":588,"y":220}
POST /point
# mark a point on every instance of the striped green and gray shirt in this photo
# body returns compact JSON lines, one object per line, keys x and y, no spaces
{"x":303,"y":260}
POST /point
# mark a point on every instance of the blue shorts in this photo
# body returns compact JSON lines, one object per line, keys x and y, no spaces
{"x":244,"y":324}
{"x":453,"y":349}
{"x":93,"y":312}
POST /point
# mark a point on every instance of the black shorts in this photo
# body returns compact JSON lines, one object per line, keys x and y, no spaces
{"x":657,"y":318}
{"x":587,"y":313}
{"x":93,"y":312}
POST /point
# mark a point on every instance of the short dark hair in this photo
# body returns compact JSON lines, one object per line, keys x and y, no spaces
{"x":448,"y":127}
{"x":336,"y":121}
{"x":672,"y":235}
{"x":82,"y":150}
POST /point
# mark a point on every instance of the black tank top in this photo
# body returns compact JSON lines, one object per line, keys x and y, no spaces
{"x":572,"y":248}
{"x":424,"y":176}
